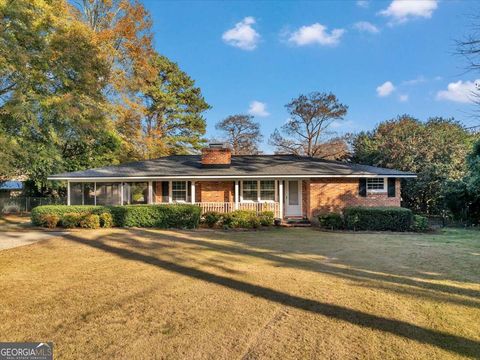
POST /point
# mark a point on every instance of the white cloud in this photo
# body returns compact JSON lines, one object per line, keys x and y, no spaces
{"x":418,"y":80}
{"x":363,"y":3}
{"x":365,"y":26}
{"x":242,"y":35}
{"x":403,"y":97}
{"x":385,"y":89}
{"x":258,"y":108}
{"x":460,"y":91}
{"x":401,"y":11}
{"x":316,"y":34}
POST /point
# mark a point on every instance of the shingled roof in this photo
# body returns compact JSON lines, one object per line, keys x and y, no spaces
{"x":185,"y":166}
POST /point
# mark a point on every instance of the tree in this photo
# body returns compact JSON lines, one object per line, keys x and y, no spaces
{"x":53,"y":112}
{"x":158,"y":108}
{"x":306,"y":129}
{"x":242,"y":133}
{"x":435,"y":150}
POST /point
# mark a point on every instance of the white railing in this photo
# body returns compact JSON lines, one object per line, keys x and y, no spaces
{"x":225,"y":207}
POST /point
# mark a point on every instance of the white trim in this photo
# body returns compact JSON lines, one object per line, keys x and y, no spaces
{"x":236,"y":194}
{"x":95,"y":193}
{"x":223,"y":177}
{"x":150,"y":193}
{"x":192,"y":192}
{"x":170,"y":192}
{"x":280,"y":195}
{"x":68,"y":193}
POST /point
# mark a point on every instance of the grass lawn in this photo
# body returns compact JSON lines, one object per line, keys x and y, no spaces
{"x":280,"y":294}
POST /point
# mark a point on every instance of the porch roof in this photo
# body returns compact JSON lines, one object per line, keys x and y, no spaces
{"x":242,"y":166}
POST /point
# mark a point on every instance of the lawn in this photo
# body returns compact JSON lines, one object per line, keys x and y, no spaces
{"x":282,"y":294}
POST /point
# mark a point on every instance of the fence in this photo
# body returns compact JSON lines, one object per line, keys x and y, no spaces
{"x":225,"y":207}
{"x":26,"y":204}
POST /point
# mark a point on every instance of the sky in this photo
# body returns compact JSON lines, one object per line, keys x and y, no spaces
{"x":381,"y":58}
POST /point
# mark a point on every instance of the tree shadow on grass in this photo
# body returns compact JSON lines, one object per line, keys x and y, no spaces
{"x":457,"y":344}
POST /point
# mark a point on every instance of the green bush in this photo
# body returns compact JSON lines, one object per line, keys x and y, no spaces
{"x":90,"y":221}
{"x":241,"y":219}
{"x":106,"y":220}
{"x":212,"y":218}
{"x":266,"y":218}
{"x":61,"y":210}
{"x":420,"y":223}
{"x":332,"y":221}
{"x":50,"y":220}
{"x":378,"y":218}
{"x":71,"y":220}
{"x":183,"y":216}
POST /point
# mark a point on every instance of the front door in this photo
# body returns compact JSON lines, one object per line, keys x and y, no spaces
{"x":293,"y":198}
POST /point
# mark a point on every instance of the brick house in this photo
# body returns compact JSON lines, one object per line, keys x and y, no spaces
{"x":291,"y":186}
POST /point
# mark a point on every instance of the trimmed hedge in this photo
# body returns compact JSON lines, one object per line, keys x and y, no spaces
{"x":246,"y":219}
{"x":182,"y":216}
{"x":332,"y":221}
{"x":378,"y":218}
{"x":420,"y":223}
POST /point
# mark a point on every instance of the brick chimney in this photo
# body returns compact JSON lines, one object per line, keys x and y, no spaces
{"x":216,"y":154}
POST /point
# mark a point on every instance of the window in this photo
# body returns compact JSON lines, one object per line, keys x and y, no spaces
{"x":82,"y":193}
{"x":88,"y":193}
{"x":250,"y":190}
{"x":376,"y":184}
{"x":179,"y":191}
{"x":267,"y":190}
{"x":135,"y":193}
{"x":108,"y":193}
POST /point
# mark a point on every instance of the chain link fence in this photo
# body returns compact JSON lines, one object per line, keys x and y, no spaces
{"x":26,"y":204}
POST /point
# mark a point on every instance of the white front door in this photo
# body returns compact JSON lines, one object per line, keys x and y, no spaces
{"x":293,"y":198}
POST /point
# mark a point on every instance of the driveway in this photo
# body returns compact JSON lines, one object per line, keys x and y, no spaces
{"x":16,"y":231}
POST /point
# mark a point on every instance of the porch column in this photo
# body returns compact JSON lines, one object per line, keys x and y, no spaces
{"x":192,"y":191}
{"x":170,"y":191}
{"x":280,"y":195}
{"x":236,"y":195}
{"x":150,"y":193}
{"x":68,"y":192}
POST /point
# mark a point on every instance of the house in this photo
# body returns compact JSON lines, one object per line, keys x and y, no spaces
{"x":10,"y":188}
{"x":291,"y":186}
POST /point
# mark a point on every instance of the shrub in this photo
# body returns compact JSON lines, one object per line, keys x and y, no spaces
{"x":420,"y":223}
{"x":50,"y":220}
{"x":212,"y":218}
{"x":90,"y":221}
{"x":378,"y":218}
{"x":241,"y":219}
{"x":106,"y":220}
{"x":266,"y":218}
{"x":183,"y":216}
{"x":332,"y":221}
{"x":71,"y":220}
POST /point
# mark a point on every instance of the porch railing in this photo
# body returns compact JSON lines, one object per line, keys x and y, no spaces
{"x":226,"y":207}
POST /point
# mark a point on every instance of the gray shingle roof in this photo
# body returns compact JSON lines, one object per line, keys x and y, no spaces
{"x":242,"y":165}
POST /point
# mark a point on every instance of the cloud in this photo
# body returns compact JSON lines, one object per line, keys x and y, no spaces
{"x":365,"y":26}
{"x":400,"y":11}
{"x":316,"y":34}
{"x":258,"y":108}
{"x":460,"y":91}
{"x":403,"y":97}
{"x":242,"y":35}
{"x":418,"y":80}
{"x":385,"y":89}
{"x":363,"y":3}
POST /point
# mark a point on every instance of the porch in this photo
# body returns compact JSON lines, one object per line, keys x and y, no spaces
{"x":283,"y":197}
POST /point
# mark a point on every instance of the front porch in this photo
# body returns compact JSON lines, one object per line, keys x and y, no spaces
{"x":283,"y":197}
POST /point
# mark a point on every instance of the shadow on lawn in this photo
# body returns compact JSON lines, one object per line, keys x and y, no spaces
{"x":458,"y":344}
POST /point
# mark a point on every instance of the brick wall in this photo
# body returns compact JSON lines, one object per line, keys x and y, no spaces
{"x":334,"y":194}
{"x":214,"y":191}
{"x":214,"y":156}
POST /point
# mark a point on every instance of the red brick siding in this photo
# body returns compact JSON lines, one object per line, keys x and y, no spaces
{"x":214,"y":191}
{"x":334,"y":194}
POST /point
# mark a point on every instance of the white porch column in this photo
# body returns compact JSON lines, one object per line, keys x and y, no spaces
{"x":280,"y":195}
{"x":150,"y":193}
{"x":236,"y":195}
{"x":192,"y":190}
{"x":121,"y":193}
{"x":170,"y":191}
{"x":68,"y":192}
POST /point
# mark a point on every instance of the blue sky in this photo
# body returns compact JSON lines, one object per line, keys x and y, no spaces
{"x":381,"y":58}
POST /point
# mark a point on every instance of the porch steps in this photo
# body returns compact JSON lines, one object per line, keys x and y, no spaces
{"x":296,"y":222}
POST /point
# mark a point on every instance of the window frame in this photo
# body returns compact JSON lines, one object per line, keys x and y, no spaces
{"x":376,"y":190}
{"x":258,"y":198}
{"x":172,"y":191}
